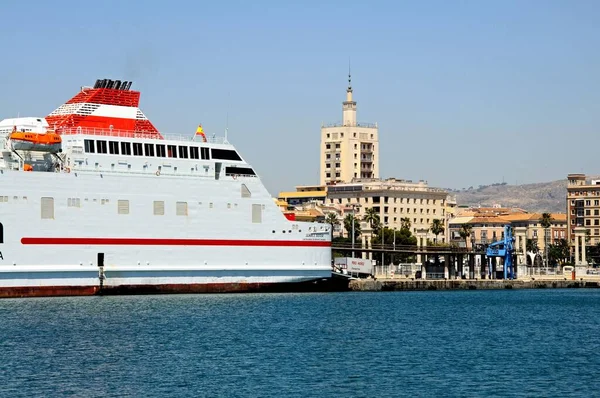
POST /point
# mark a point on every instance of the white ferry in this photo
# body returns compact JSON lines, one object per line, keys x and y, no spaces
{"x":95,"y":200}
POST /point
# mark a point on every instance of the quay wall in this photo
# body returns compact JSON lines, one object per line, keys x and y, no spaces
{"x":374,"y":285}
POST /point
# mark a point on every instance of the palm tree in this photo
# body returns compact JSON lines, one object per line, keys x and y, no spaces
{"x":348,"y":225}
{"x":372,"y":217}
{"x":546,"y":222}
{"x":465,"y":231}
{"x":437,"y":227}
{"x":332,"y":219}
{"x":405,"y":223}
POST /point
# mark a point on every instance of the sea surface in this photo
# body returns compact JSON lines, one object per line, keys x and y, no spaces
{"x":538,"y":343}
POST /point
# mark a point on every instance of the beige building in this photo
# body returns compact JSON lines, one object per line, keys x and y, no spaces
{"x":488,"y":227}
{"x":349,"y":149}
{"x":583,"y":207}
{"x":394,"y":200}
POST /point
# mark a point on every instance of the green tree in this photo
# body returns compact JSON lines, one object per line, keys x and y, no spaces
{"x":437,"y":227}
{"x":405,"y":223}
{"x":332,"y":219}
{"x":559,"y":252}
{"x":403,"y":238}
{"x":372,"y":217}
{"x":348,"y":226}
{"x":465,"y":232}
{"x":532,"y":245}
{"x":546,"y":222}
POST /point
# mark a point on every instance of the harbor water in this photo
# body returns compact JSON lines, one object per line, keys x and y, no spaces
{"x":441,"y":343}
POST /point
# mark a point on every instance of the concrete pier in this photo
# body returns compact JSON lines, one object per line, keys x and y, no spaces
{"x":374,"y":285}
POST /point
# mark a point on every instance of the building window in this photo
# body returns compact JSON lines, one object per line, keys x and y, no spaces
{"x":328,"y":146}
{"x":588,"y":202}
{"x":47,"y":208}
{"x":337,"y":146}
{"x":327,"y":165}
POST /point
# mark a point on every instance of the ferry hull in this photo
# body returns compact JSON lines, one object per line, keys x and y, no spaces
{"x":319,"y":285}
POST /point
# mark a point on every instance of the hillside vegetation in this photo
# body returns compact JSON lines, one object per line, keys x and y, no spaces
{"x":539,"y":197}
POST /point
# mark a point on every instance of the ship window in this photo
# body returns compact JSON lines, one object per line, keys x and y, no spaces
{"x":194,"y":153}
{"x":113,"y":147}
{"x":149,"y":149}
{"x":182,"y":209}
{"x":204,"y":153}
{"x":126,"y":148}
{"x":160,"y":151}
{"x":101,"y":146}
{"x":137,"y":149}
{"x":47,"y":208}
{"x":245,"y":171}
{"x":159,"y":207}
{"x":224,"y":154}
{"x":89,"y":146}
{"x":74,"y":202}
{"x":171,"y":151}
{"x":183,"y":152}
{"x":245,"y":191}
{"x":256,"y":214}
{"x":123,"y":206}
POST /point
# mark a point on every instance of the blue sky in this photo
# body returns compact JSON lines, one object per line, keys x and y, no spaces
{"x":465,"y":92}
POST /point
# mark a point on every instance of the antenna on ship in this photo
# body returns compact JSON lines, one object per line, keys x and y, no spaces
{"x":227,"y":118}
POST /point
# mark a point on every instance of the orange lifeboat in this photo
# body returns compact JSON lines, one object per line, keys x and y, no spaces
{"x":43,"y":142}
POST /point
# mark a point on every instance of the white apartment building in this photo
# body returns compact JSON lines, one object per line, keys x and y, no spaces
{"x":349,"y":149}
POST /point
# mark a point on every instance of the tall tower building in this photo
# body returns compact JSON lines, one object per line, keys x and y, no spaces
{"x":349,"y":149}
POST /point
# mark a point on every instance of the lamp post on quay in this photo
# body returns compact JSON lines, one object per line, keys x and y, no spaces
{"x":473,"y":250}
{"x":354,"y":206}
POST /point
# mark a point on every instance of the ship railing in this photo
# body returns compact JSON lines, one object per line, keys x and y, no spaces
{"x":139,"y":135}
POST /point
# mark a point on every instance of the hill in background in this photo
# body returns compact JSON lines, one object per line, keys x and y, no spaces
{"x":540,"y":197}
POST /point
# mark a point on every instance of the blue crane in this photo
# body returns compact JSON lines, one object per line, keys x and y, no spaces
{"x":504,"y":249}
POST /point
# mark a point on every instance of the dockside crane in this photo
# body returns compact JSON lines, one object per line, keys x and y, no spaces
{"x":504,"y":249}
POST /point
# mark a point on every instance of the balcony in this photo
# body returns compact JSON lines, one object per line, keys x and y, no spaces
{"x":358,"y":124}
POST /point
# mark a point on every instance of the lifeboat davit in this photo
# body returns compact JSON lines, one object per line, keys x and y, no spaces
{"x":42,"y":142}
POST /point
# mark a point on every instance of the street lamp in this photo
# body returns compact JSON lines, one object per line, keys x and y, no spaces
{"x":382,"y":242}
{"x":354,"y":206}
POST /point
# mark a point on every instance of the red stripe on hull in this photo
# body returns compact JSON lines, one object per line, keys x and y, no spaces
{"x":47,"y":291}
{"x":322,"y":285}
{"x":171,"y":242}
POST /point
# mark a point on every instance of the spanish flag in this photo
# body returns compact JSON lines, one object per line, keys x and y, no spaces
{"x":200,"y":131}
